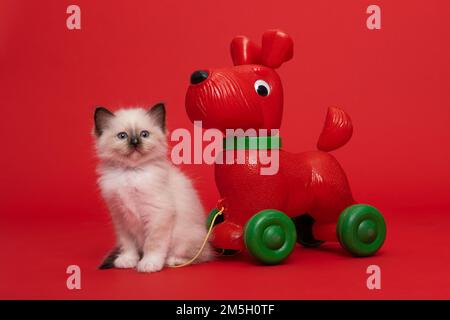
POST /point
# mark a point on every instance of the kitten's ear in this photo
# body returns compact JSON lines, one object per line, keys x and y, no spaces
{"x":158,"y":112}
{"x":101,"y":119}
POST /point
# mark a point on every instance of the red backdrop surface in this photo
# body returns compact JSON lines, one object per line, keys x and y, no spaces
{"x":393,"y":82}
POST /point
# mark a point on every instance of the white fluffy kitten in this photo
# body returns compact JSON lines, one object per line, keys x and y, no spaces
{"x":157,"y":214}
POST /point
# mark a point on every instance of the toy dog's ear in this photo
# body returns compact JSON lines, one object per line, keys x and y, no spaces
{"x":244,"y":51}
{"x":277,"y":48}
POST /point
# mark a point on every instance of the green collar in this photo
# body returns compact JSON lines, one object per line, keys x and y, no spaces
{"x":252,"y":143}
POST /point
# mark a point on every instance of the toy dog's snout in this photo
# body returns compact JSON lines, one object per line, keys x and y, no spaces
{"x":199,"y":76}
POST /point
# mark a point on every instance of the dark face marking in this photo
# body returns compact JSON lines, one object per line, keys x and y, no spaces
{"x":102,"y":116}
{"x":135,"y":141}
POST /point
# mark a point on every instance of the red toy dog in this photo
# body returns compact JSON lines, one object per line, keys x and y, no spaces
{"x":308,"y":200}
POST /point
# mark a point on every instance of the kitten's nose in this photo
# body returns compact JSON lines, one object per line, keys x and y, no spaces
{"x":134,"y":141}
{"x":199,"y":76}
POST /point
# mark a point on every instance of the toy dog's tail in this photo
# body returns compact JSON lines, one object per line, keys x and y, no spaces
{"x":336,"y":131}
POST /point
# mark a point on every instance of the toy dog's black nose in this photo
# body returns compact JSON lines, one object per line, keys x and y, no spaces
{"x":199,"y":76}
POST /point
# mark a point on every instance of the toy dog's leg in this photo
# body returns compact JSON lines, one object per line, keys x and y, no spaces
{"x":305,"y":236}
{"x":227,"y":236}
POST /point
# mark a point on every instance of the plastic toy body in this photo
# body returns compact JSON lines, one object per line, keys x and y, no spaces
{"x":308,"y":200}
{"x":309,"y":182}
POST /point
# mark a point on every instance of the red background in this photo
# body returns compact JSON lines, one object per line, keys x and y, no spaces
{"x":393,"y":82}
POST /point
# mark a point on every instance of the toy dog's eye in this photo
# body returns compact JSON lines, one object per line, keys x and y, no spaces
{"x":262,"y":88}
{"x":145,"y":134}
{"x":122,"y":135}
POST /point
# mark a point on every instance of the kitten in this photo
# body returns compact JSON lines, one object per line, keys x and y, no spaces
{"x":157,"y":214}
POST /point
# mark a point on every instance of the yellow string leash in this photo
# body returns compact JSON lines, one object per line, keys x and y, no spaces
{"x":204,"y":241}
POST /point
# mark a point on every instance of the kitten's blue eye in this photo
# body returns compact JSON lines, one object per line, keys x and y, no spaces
{"x":145,"y":134}
{"x":122,"y":135}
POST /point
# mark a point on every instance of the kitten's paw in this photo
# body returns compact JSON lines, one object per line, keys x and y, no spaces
{"x":126,"y":260}
{"x":176,"y":261}
{"x":150,"y":264}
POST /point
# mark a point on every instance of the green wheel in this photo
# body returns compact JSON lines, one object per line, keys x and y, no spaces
{"x":270,"y":236}
{"x":210,"y":218}
{"x":361,"y":230}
